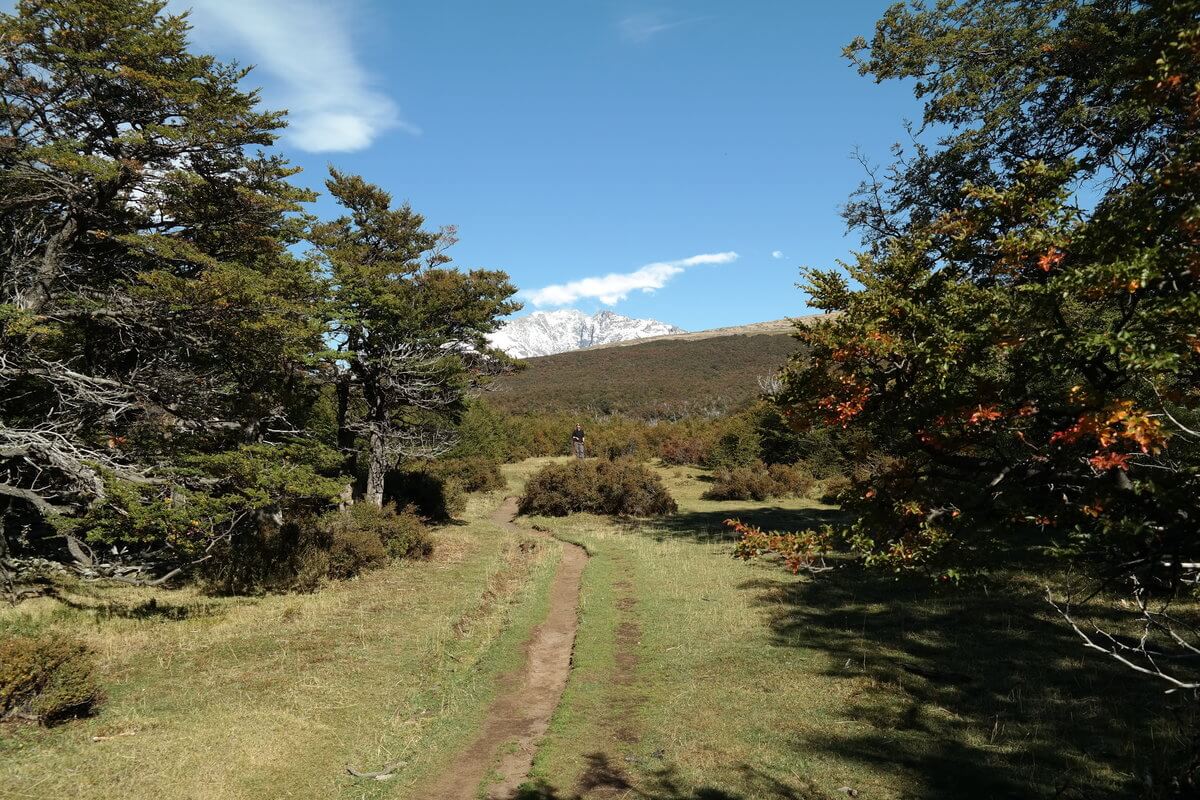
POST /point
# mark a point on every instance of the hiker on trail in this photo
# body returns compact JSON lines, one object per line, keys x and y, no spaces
{"x":577,"y":438}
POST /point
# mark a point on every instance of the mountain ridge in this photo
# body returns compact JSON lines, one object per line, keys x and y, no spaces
{"x":544,"y":333}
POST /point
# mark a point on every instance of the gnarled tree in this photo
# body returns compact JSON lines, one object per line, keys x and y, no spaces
{"x":149,"y":305}
{"x":1021,"y":340}
{"x":409,"y":332}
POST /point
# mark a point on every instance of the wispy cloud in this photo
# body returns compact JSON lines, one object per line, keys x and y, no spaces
{"x":614,"y":287}
{"x":776,"y":254}
{"x":303,"y":50}
{"x":641,"y":28}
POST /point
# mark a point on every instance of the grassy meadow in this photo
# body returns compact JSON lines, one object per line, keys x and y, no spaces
{"x":695,"y":677}
{"x":701,"y":677}
{"x":272,"y":697}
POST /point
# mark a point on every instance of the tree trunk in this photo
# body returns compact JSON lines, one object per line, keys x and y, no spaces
{"x":345,"y":438}
{"x":376,"y":469}
{"x":50,"y":267}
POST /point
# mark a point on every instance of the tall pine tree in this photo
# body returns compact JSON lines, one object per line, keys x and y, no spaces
{"x":410,"y":333}
{"x":149,"y":305}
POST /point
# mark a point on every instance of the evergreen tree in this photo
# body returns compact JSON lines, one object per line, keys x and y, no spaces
{"x":410,"y":333}
{"x":150,"y":309}
{"x":1021,"y":337}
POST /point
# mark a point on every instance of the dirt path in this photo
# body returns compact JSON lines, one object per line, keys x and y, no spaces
{"x":520,"y":714}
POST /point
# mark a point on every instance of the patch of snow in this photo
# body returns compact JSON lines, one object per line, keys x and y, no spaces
{"x":544,"y":333}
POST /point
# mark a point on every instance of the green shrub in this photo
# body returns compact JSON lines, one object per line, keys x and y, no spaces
{"x":404,"y":534}
{"x":364,"y":536}
{"x":47,"y":678}
{"x":617,"y":488}
{"x":757,"y":481}
{"x":472,"y":473}
{"x":354,"y":551}
{"x":736,"y":446}
{"x":685,"y":448}
{"x":791,"y":480}
{"x":740,"y":483}
{"x":436,"y":496}
{"x":834,"y":487}
{"x":483,"y":432}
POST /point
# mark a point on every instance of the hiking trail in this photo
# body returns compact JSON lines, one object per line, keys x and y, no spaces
{"x":520,"y":714}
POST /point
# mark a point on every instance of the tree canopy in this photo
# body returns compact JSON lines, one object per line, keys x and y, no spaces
{"x":410,"y":334}
{"x":165,"y":380}
{"x":1019,"y":333}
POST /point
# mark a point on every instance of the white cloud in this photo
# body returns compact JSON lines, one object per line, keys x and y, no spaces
{"x":641,"y":28}
{"x":303,"y":49}
{"x":614,"y":287}
{"x":776,"y":254}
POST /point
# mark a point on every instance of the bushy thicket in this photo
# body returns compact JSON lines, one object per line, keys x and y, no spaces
{"x":304,"y":552}
{"x":616,"y":488}
{"x":473,"y":474}
{"x":758,"y":433}
{"x":435,"y":495}
{"x":401,"y":531}
{"x":758,"y":481}
{"x":47,"y":679}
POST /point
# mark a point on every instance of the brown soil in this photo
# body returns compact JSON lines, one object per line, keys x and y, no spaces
{"x":518,"y":717}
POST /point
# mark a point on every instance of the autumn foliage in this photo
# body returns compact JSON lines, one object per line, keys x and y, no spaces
{"x":1018,"y":356}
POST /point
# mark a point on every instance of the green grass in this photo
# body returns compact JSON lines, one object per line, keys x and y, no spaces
{"x":751,"y":683}
{"x":695,"y":677}
{"x":272,"y":697}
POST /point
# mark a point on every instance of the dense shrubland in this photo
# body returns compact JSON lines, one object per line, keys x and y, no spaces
{"x":756,"y":433}
{"x":759,"y":481}
{"x":663,"y":380}
{"x":597,"y":486}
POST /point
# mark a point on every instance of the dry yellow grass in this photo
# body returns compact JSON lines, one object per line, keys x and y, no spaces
{"x":271,"y":697}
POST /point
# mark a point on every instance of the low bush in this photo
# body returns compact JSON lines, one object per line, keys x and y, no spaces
{"x":263,"y":556}
{"x":436,"y":495}
{"x":404,"y":534}
{"x":740,"y":483}
{"x":616,"y":488}
{"x":684,"y":449}
{"x":834,"y":487}
{"x":364,"y":536}
{"x":791,"y":480}
{"x":736,"y":446}
{"x":757,"y":481}
{"x":47,"y":679}
{"x":472,"y":473}
{"x":354,"y":551}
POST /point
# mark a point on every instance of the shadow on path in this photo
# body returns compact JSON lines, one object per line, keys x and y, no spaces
{"x":604,"y":779}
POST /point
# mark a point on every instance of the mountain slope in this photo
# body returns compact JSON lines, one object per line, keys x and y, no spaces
{"x":667,"y":377}
{"x":544,"y":333}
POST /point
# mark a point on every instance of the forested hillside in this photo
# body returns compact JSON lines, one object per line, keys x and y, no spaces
{"x":670,"y":377}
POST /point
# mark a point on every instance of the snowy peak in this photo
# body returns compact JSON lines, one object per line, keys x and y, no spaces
{"x":543,"y":333}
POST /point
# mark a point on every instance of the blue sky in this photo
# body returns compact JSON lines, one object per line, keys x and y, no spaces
{"x":677,"y":160}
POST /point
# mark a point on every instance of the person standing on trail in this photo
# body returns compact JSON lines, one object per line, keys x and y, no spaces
{"x":577,"y":438}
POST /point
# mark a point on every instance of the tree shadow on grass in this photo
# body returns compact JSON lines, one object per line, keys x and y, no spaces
{"x":975,"y":690}
{"x":150,"y":609}
{"x":605,"y":779}
{"x":709,"y":526}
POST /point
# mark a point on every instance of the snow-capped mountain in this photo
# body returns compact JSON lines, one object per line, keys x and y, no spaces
{"x":543,"y":333}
